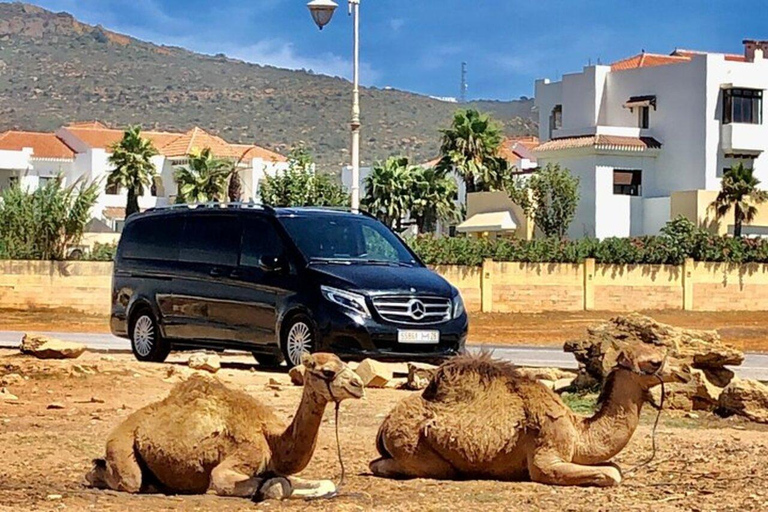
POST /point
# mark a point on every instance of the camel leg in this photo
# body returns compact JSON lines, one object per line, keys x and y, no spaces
{"x":120,"y":470}
{"x":426,"y":464}
{"x":549,"y":468}
{"x":228,"y":480}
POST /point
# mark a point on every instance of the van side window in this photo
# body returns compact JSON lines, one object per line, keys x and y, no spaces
{"x":152,"y":238}
{"x":377,"y":247}
{"x":259,"y":238}
{"x":212,"y":239}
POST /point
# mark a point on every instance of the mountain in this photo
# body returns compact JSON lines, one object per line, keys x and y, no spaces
{"x":55,"y":70}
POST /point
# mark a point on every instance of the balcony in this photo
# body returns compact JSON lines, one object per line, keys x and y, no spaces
{"x":743,"y":138}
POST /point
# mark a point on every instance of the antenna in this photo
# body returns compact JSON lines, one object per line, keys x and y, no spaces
{"x":464,"y":87}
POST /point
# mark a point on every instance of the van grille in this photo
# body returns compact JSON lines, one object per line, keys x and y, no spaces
{"x":413,"y":310}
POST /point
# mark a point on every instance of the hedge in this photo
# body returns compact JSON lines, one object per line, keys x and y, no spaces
{"x":678,"y":240}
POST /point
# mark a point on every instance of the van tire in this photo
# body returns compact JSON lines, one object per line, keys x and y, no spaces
{"x":296,"y":333}
{"x":147,"y":344}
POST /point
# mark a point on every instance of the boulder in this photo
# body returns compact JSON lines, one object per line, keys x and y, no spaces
{"x":698,"y":394}
{"x":746,"y":397}
{"x":297,"y":375}
{"x":419,"y":375}
{"x":45,"y":347}
{"x":373,"y":373}
{"x":206,"y":362}
{"x":687,"y":348}
{"x":562,"y":384}
{"x":553,"y":374}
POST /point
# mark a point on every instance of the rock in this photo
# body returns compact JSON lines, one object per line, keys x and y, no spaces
{"x":698,"y":394}
{"x":297,"y":375}
{"x":175,"y":373}
{"x":746,"y":397}
{"x":398,"y":383}
{"x":719,"y":377}
{"x":45,"y":347}
{"x":274,"y":382}
{"x":55,"y":406}
{"x":691,"y":348}
{"x":206,"y":362}
{"x":561,"y":384}
{"x":548,"y":383}
{"x":11,"y":378}
{"x":692,"y":415}
{"x":108,"y":358}
{"x":419,"y":375}
{"x":7,"y":395}
{"x":552,"y":374}
{"x":54,"y":497}
{"x":373,"y":373}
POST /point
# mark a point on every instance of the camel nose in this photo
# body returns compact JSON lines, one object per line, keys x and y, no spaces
{"x":651,"y":366}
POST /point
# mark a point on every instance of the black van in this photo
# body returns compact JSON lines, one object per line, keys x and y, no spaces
{"x":278,"y":282}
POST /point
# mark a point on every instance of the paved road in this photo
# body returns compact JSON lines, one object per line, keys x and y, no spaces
{"x":755,"y":365}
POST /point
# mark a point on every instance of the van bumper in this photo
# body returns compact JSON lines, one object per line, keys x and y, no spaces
{"x":356,"y":339}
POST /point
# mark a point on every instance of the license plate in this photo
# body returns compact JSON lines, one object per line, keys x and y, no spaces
{"x":418,"y":336}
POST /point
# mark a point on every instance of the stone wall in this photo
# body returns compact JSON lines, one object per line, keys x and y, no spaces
{"x":501,"y":287}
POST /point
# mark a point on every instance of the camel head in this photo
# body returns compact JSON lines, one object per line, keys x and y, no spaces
{"x":649,"y":365}
{"x":330,"y":378}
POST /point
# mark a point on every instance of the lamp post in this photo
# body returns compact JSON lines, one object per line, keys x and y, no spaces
{"x":322,"y":12}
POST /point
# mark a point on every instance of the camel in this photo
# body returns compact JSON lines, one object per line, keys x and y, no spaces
{"x":206,"y":437}
{"x":480,"y":419}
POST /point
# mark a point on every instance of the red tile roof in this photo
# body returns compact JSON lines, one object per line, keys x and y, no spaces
{"x":248,"y":151}
{"x":198,"y":139}
{"x":608,"y":142}
{"x":647,"y":60}
{"x":105,"y":138}
{"x":44,"y":145}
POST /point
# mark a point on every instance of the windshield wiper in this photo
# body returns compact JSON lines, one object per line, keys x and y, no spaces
{"x":330,"y":261}
{"x":388,"y":263}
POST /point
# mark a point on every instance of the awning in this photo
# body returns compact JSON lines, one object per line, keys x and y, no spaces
{"x":641,"y":101}
{"x":490,"y":221}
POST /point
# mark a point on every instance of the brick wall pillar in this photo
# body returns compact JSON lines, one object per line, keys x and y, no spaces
{"x":688,"y":284}
{"x":589,"y":284}
{"x":486,"y":287}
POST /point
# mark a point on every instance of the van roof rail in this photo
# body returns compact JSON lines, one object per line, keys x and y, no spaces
{"x":212,"y":204}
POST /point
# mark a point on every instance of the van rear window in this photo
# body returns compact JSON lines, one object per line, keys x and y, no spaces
{"x":211,"y":239}
{"x":152,"y":238}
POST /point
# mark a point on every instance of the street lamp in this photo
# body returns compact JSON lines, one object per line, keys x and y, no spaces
{"x":322,"y":12}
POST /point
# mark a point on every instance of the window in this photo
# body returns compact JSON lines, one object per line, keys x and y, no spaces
{"x":13,"y":181}
{"x":556,"y":119}
{"x":157,"y":189}
{"x":377,"y":247}
{"x":112,"y":189}
{"x":260,"y":238}
{"x":42,"y":181}
{"x":742,"y":106}
{"x":643,"y":117}
{"x":152,"y":238}
{"x":212,"y":239}
{"x":627,"y":183}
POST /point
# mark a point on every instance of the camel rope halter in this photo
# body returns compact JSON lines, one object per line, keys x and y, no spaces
{"x":656,"y":374}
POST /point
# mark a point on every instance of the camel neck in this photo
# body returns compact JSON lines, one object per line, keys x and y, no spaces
{"x":293,"y":449}
{"x":607,"y":432}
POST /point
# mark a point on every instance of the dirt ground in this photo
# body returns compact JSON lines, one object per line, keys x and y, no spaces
{"x":745,"y":330}
{"x":702,"y":464}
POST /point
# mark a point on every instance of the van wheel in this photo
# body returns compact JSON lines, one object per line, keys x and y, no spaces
{"x":146,"y":342}
{"x":298,"y":337}
{"x":268,"y":360}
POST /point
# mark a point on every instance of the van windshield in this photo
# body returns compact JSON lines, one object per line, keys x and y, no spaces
{"x":346,"y":239}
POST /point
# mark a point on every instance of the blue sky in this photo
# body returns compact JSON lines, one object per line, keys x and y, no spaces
{"x":418,"y":45}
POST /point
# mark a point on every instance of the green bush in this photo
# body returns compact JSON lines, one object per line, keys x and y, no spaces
{"x":678,"y":240}
{"x":102,"y":252}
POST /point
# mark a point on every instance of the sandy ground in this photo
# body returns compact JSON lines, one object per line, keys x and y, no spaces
{"x":745,"y":330}
{"x":702,"y":464}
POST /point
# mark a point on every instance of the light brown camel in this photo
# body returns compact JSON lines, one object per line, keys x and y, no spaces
{"x":207,"y":437}
{"x":480,"y":419}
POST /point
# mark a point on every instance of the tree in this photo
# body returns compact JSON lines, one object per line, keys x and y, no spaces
{"x":203,"y":179}
{"x":42,"y":224}
{"x":433,"y":197}
{"x":389,"y":189}
{"x":738,"y":191}
{"x":550,"y":197}
{"x":470,"y":147}
{"x":133,"y":167}
{"x":300,"y":185}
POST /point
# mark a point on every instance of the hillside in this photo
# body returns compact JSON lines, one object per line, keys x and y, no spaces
{"x":54,"y":70}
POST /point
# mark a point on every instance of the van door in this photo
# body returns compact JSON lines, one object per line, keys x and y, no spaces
{"x":264,"y":286}
{"x":202,"y":299}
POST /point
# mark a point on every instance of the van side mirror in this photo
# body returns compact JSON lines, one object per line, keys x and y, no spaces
{"x":271,"y":263}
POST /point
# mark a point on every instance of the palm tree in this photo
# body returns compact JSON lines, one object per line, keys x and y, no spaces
{"x":434,"y":197}
{"x":133,"y":167}
{"x":203,"y":179}
{"x":469,"y":146}
{"x":388,"y":190}
{"x":738,"y":191}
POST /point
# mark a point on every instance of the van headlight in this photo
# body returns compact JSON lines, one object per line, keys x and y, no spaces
{"x":347,"y":300}
{"x":458,"y":306}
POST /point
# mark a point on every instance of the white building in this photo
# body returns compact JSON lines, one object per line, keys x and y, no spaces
{"x":648,"y":133}
{"x":81,"y":151}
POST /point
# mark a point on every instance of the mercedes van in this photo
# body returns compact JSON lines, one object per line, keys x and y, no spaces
{"x":277,"y":283}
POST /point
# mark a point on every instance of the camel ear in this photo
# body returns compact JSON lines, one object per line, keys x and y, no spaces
{"x":624,"y":361}
{"x":308,"y":361}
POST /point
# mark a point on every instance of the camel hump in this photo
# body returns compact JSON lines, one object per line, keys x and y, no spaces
{"x":469,"y":372}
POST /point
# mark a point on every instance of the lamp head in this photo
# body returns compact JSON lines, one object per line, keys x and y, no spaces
{"x":322,"y":11}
